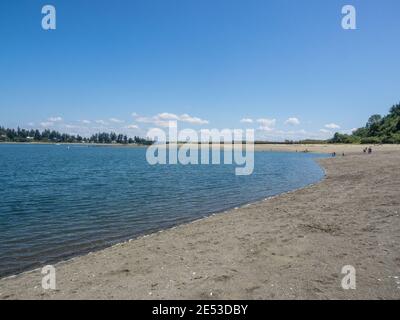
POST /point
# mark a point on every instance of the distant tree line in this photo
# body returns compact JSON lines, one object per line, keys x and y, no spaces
{"x":377,"y":130}
{"x":23,"y":135}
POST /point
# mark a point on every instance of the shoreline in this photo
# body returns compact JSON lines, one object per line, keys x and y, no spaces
{"x":210,"y":239}
{"x":258,"y":147}
{"x":150,"y":233}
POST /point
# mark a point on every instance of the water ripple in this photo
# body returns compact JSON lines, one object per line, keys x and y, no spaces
{"x":58,"y":202}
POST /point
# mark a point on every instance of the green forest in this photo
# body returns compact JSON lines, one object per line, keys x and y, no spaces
{"x":51,"y":136}
{"x":378,"y":129}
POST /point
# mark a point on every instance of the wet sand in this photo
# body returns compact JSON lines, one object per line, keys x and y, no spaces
{"x":292,"y":246}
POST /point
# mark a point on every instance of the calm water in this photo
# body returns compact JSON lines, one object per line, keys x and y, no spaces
{"x":57,"y":202}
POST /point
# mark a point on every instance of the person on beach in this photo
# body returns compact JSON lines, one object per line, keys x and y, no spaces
{"x":369,"y":150}
{"x":334,"y":154}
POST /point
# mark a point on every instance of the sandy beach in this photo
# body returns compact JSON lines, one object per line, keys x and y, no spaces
{"x":326,"y":148}
{"x":292,"y":246}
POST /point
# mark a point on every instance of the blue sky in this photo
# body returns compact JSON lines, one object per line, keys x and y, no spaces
{"x":286,"y":65}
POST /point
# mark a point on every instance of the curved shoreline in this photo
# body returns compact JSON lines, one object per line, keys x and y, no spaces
{"x":160,"y":230}
{"x":292,"y":246}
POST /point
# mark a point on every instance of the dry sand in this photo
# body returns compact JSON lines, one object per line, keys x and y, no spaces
{"x":326,"y":148}
{"x":292,"y":246}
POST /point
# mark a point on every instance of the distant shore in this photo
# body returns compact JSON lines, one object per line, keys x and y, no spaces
{"x":75,"y":144}
{"x":291,"y":246}
{"x":313,"y":148}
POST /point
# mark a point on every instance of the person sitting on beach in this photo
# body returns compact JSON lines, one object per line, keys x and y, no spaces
{"x":369,"y":150}
{"x":343,"y":154}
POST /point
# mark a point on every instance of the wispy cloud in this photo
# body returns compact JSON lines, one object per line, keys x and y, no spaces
{"x":86,"y":121}
{"x":132,"y":126}
{"x":54,"y":119}
{"x":167,"y":116}
{"x":325,"y":131}
{"x":47,"y":124}
{"x":266,"y":124}
{"x":246,"y":120}
{"x":115,"y":120}
{"x":153,"y":121}
{"x":332,"y":126}
{"x":163,"y":119}
{"x":192,"y":120}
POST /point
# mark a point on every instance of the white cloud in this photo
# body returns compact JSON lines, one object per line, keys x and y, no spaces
{"x":163,"y":119}
{"x":132,"y":126}
{"x":154,"y":121}
{"x":115,"y":120}
{"x":325,"y":131}
{"x":55,"y":119}
{"x":101,"y":122}
{"x":332,"y":126}
{"x":167,"y":116}
{"x":246,"y":120}
{"x":292,"y":121}
{"x":192,"y":120}
{"x":266,"y":124}
{"x":85,"y":121}
{"x":47,"y":124}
